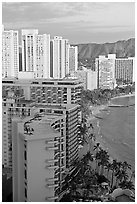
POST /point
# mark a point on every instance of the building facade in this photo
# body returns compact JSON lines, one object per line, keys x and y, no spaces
{"x":65,"y":91}
{"x":91,"y":80}
{"x":106,"y":71}
{"x":10,"y":53}
{"x":60,"y":57}
{"x":73,"y":59}
{"x":35,"y":55}
{"x":38,"y":158}
{"x":23,"y":108}
{"x":53,"y":131}
{"x":124,"y":69}
{"x":11,"y":109}
{"x":88,"y":78}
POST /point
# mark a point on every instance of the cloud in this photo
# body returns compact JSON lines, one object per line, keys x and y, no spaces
{"x":70,"y":17}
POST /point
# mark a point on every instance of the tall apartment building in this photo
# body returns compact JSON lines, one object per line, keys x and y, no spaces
{"x":124,"y":69}
{"x":59,"y":57}
{"x":35,"y":55}
{"x":73,"y":59}
{"x":10,"y":53}
{"x":38,"y":158}
{"x":65,"y":91}
{"x":106,"y":71}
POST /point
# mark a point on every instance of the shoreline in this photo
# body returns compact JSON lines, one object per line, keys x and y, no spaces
{"x":124,"y":95}
{"x":95,"y":117}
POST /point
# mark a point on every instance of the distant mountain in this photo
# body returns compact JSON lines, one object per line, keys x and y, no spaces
{"x":124,"y":48}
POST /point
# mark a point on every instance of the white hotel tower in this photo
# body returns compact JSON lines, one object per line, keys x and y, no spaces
{"x":35,"y":55}
{"x":10,"y":53}
{"x":60,"y":57}
{"x":39,"y":161}
{"x":73,"y":59}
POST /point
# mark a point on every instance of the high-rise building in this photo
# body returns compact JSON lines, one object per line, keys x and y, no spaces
{"x":10,"y":53}
{"x":43,"y":56}
{"x":73,"y":59}
{"x":124,"y":69}
{"x":35,"y":55}
{"x":29,"y":38}
{"x":106,"y":71}
{"x":60,"y":57}
{"x":39,"y":160}
{"x":62,"y":91}
{"x":56,"y":151}
{"x":14,"y":106}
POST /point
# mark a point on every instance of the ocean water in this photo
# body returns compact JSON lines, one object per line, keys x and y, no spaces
{"x":116,"y":130}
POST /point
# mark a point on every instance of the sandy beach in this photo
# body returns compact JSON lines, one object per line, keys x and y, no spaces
{"x":95,"y":119}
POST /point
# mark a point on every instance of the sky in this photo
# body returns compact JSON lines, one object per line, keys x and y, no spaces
{"x":80,"y":22}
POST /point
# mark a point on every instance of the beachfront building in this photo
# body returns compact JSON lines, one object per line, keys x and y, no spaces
{"x":19,"y":107}
{"x":10,"y":53}
{"x":39,"y":160}
{"x":38,"y":175}
{"x":71,"y":113}
{"x":35,"y":55}
{"x":106,"y":71}
{"x":62,"y":91}
{"x":59,"y":64}
{"x":125,"y":69}
{"x":73,"y":59}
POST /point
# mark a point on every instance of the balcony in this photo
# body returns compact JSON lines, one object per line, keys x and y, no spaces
{"x":51,"y":148}
{"x":52,"y":185}
{"x":51,"y":142}
{"x":52,"y":167}
{"x":52,"y":179}
{"x":51,"y":160}
{"x":51,"y":198}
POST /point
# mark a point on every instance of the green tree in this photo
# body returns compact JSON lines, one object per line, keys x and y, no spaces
{"x":104,"y":159}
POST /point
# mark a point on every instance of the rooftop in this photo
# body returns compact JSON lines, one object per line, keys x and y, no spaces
{"x":39,"y":127}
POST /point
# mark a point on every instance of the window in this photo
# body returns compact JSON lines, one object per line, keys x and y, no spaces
{"x":25,"y":174}
{"x":25,"y":193}
{"x":61,"y":147}
{"x":25,"y":155}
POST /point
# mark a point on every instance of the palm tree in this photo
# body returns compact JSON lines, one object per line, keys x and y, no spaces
{"x":127,"y":185}
{"x":114,"y":169}
{"x":126,"y":166}
{"x":89,"y":156}
{"x":108,"y":167}
{"x":97,"y":147}
{"x":132,"y":175}
{"x":104,"y":159}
